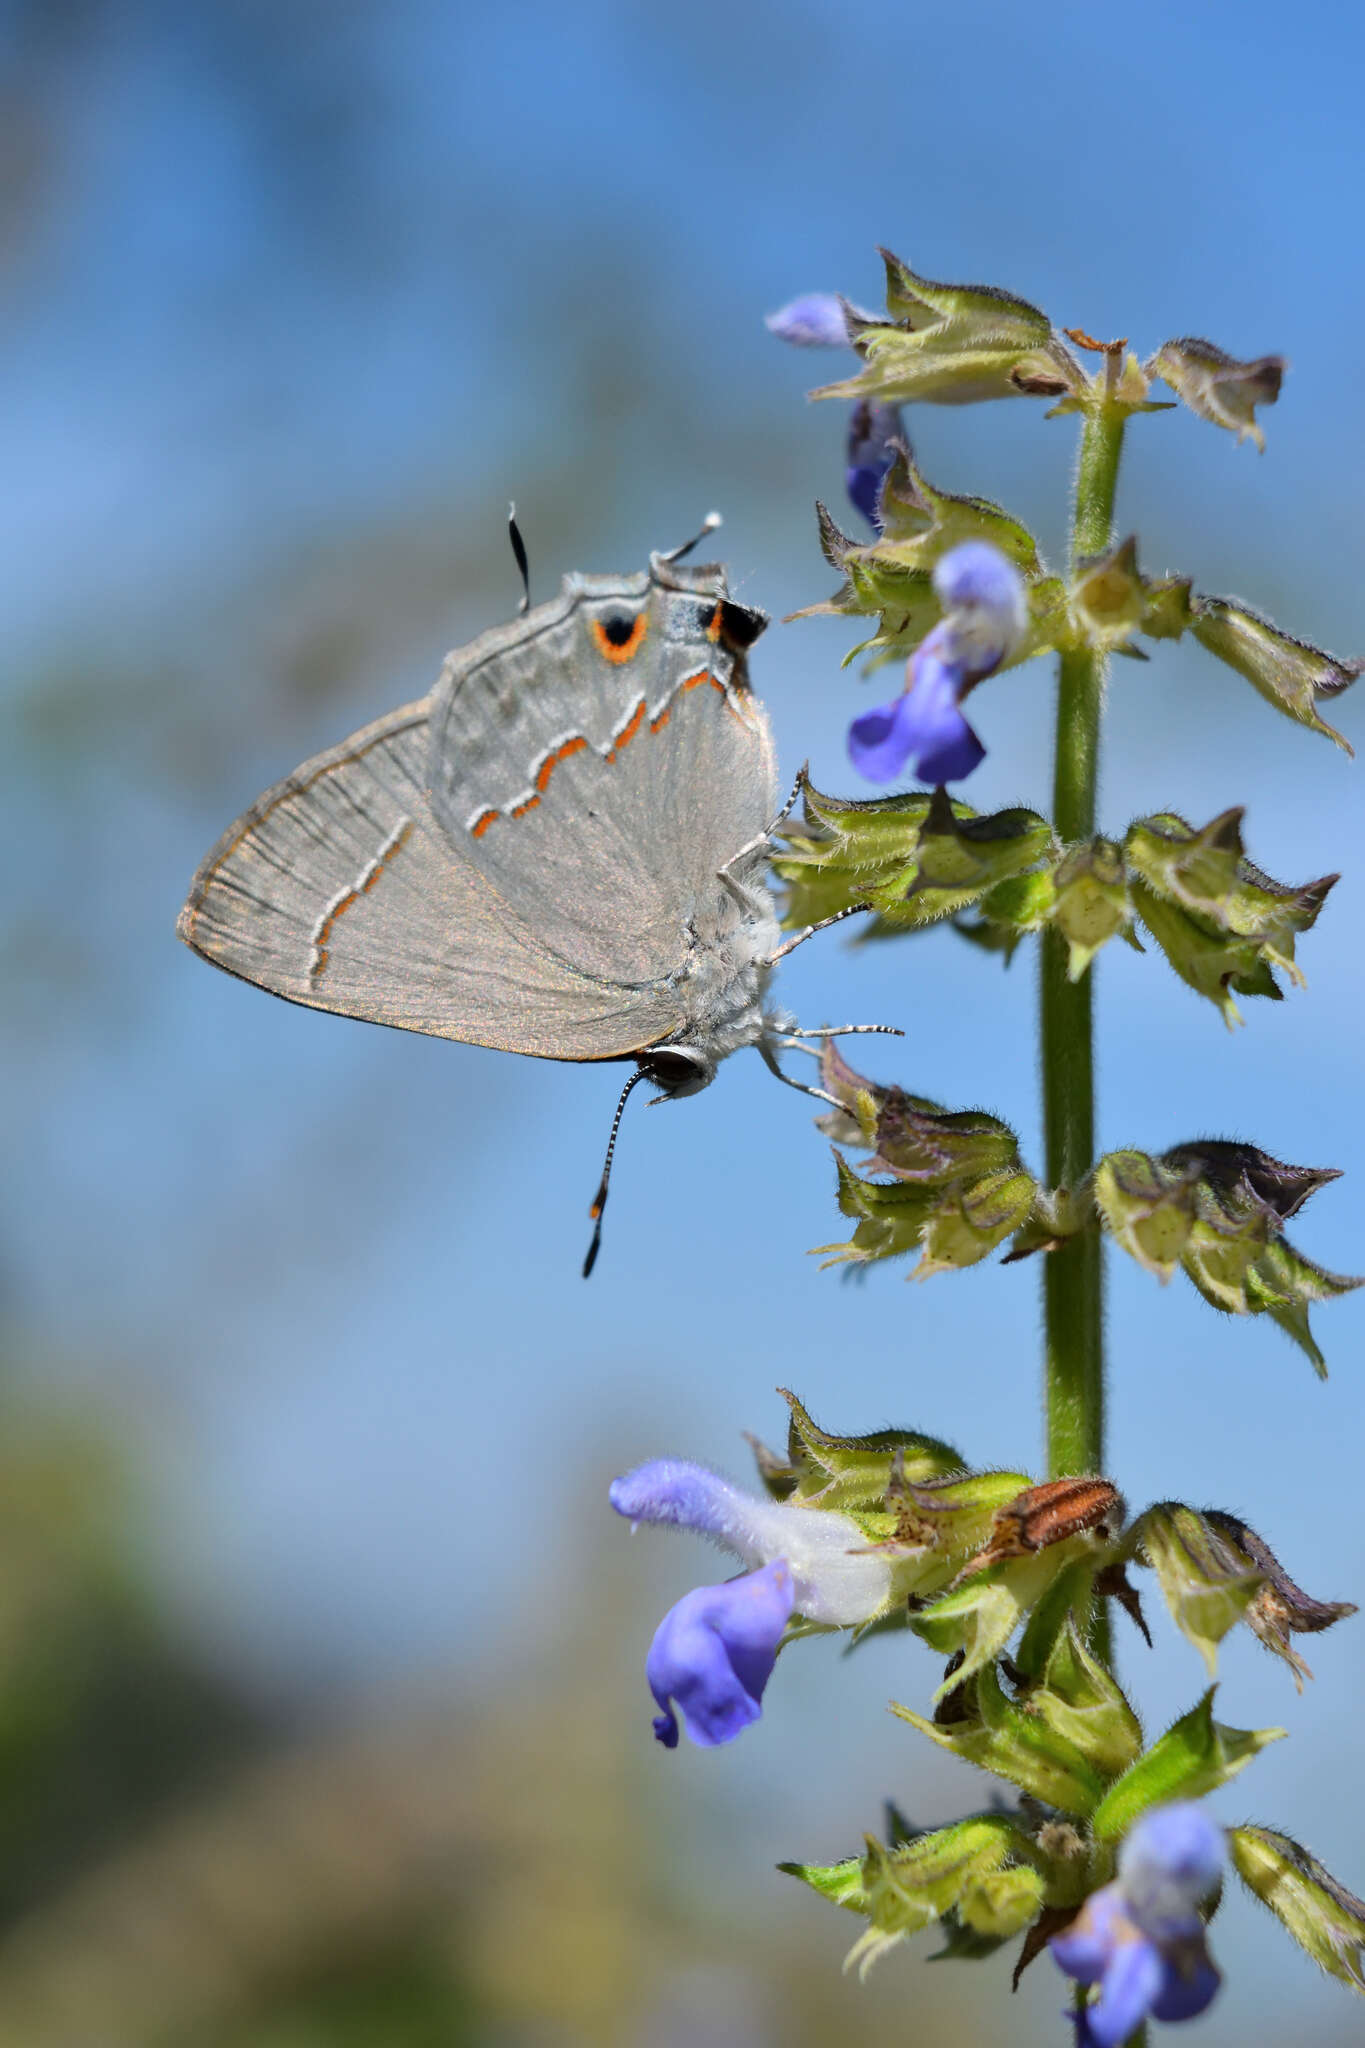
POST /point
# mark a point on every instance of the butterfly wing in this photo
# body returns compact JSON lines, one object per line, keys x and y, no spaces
{"x":601,"y":759}
{"x":339,"y":889}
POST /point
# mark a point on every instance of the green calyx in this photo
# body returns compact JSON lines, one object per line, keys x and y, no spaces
{"x":914,"y":859}
{"x":1222,"y":924}
{"x":956,"y":1187}
{"x":1225,"y":926}
{"x":993,"y":1730}
{"x":1217,"y":1210}
{"x":1326,"y":1920}
{"x":1214,"y":1572}
{"x":920,"y":523}
{"x":983,"y":1875}
{"x":1106,"y":606}
{"x":950,"y":344}
{"x":851,"y":1472}
{"x":1289,"y":673}
{"x":1072,"y":1745}
{"x":1217,"y":386}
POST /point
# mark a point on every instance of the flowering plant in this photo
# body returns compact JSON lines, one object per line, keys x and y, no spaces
{"x":1102,"y":1854}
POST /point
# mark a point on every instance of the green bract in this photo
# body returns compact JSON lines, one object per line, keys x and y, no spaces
{"x":1192,"y":1759}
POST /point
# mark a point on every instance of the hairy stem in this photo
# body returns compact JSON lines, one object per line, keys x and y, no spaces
{"x":1073,"y":1299}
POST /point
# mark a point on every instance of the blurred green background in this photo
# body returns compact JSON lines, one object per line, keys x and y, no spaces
{"x":322,"y":1717}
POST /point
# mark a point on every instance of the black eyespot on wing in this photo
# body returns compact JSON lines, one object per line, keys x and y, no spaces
{"x":619,"y":635}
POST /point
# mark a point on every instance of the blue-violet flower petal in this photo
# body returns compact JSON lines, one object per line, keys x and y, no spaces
{"x":815,"y":320}
{"x":1169,"y":1863}
{"x":873,"y":430}
{"x":714,"y":1652}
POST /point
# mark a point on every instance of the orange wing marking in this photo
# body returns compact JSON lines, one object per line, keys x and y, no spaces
{"x":288,"y":791}
{"x":576,"y":743}
{"x":692,"y":682}
{"x":342,"y":902}
{"x":627,"y":732}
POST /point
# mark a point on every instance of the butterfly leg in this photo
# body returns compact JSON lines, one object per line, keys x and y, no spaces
{"x":760,"y":844}
{"x":799,"y":938}
{"x":839,"y":1031}
{"x":767,"y":1047}
{"x":790,"y":805}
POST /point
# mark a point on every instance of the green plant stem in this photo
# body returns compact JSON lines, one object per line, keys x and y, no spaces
{"x":1073,"y":1279}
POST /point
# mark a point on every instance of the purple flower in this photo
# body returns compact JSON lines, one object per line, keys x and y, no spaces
{"x":1141,"y":1939}
{"x":985,"y":614}
{"x":873,"y":429}
{"x":925,"y":722}
{"x":815,"y":320}
{"x":820,"y":320}
{"x":714,"y":1652}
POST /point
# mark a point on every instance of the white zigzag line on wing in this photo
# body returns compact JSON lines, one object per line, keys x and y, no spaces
{"x":638,"y":710}
{"x":343,"y":899}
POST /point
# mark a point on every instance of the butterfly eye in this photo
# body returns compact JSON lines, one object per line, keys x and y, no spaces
{"x":618,"y":634}
{"x":677,"y":1069}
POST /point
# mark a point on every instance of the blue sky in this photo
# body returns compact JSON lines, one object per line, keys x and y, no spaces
{"x":291,"y":303}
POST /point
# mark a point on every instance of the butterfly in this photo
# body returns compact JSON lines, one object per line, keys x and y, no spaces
{"x":560,"y":850}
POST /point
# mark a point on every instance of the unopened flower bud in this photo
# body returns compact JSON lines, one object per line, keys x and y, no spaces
{"x":815,"y":320}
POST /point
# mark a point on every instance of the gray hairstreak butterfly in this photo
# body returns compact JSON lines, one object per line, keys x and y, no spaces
{"x":560,"y":850}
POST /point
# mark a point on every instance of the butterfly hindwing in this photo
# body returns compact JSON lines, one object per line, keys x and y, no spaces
{"x":601,"y":760}
{"x":338,"y":889}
